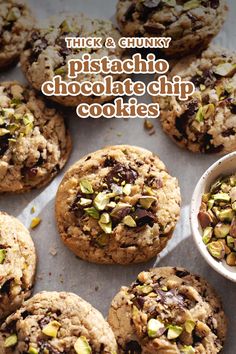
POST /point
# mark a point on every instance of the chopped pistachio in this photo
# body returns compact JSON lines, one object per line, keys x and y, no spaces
{"x":35,"y":222}
{"x":2,"y":256}
{"x":231,"y":259}
{"x":210,"y":203}
{"x":221,"y":230}
{"x":4,"y":131}
{"x":129,"y":221}
{"x":233,"y":194}
{"x":147,"y":201}
{"x":225,"y":69}
{"x":101,"y":200}
{"x":94,"y":213}
{"x":148,"y":190}
{"x":107,"y":228}
{"x":111,"y":205}
{"x":65,"y":27}
{"x":191,"y":4}
{"x":187,"y":349}
{"x":82,"y":346}
{"x":189,"y":326}
{"x":11,"y":341}
{"x":208,"y":110}
{"x":85,"y":202}
{"x":144,"y":289}
{"x":86,"y":187}
{"x":127,"y":189}
{"x":224,"y":197}
{"x":32,"y":350}
{"x":202,"y":87}
{"x":174,"y":331}
{"x":226,"y":215}
{"x":153,"y":327}
{"x":51,"y":329}
{"x":216,"y":249}
{"x":231,"y":242}
{"x":59,"y":71}
{"x":207,"y":234}
{"x":105,"y":218}
{"x":199,"y":116}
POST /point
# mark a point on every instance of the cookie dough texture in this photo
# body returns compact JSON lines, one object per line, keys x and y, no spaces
{"x":17,"y":264}
{"x":190,"y":24}
{"x":46,"y":54}
{"x":34,"y":143}
{"x":130,"y":211}
{"x":186,"y":309}
{"x":74,"y":320}
{"x":206,"y":122}
{"x":15,"y":24}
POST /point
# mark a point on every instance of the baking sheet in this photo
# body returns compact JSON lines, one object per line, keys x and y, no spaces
{"x":58,"y":268}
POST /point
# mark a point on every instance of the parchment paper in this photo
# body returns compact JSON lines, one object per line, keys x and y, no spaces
{"x":58,"y":268}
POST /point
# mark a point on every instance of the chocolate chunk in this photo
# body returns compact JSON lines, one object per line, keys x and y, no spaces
{"x":5,"y":288}
{"x":4,"y":144}
{"x":139,"y":301}
{"x":207,"y":78}
{"x":29,"y":172}
{"x":154,"y":28}
{"x":207,"y":146}
{"x":143,"y":217}
{"x":133,"y":347}
{"x":129,"y":12}
{"x":151,"y":4}
{"x":118,"y":214}
{"x":228,"y":132}
{"x":120,"y":173}
{"x":181,"y":273}
{"x":25,"y":314}
{"x":214,"y":4}
{"x":109,"y":161}
{"x":44,"y":321}
{"x":182,"y":121}
{"x":233,"y":108}
{"x":154,"y":182}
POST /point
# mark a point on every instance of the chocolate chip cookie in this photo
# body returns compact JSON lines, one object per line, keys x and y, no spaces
{"x":206,"y":122}
{"x":117,"y":205}
{"x":34,"y":143}
{"x":46,"y":54}
{"x":191,"y":24}
{"x":168,"y":310}
{"x":17,"y":264}
{"x":15,"y":24}
{"x":52,"y":322}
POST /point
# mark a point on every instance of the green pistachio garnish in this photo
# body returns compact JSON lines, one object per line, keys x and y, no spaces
{"x":208,"y":110}
{"x":4,"y":131}
{"x":148,"y":190}
{"x":192,"y":4}
{"x":86,"y":187}
{"x":13,"y":14}
{"x":223,"y":197}
{"x":144,"y":289}
{"x":153,"y":328}
{"x":221,"y":230}
{"x":129,"y":221}
{"x":199,"y":116}
{"x":85,"y":202}
{"x":60,"y":71}
{"x":147,"y":202}
{"x":207,"y":234}
{"x":65,"y":27}
{"x":94,"y":213}
{"x":82,"y":346}
{"x":127,"y":189}
{"x":51,"y":329}
{"x":225,"y":69}
{"x":226,"y":215}
{"x":187,"y":349}
{"x":189,"y":326}
{"x":174,"y":332}
{"x":231,"y":242}
{"x":231,"y":259}
{"x":32,"y":350}
{"x":11,"y":341}
{"x":105,"y":223}
{"x":101,"y":200}
{"x":216,"y":249}
{"x":2,"y":256}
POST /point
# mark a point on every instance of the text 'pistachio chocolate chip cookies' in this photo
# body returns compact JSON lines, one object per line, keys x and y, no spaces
{"x":46,"y":54}
{"x":52,"y":322}
{"x":206,"y":122}
{"x":17,"y":264}
{"x":34,"y":143}
{"x":15,"y":24}
{"x":191,"y":24}
{"x":168,"y":311}
{"x":117,"y":205}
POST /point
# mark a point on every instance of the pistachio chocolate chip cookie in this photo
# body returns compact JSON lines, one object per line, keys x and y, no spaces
{"x":168,"y":311}
{"x":191,"y":24}
{"x":206,"y":122}
{"x":52,"y":322}
{"x":34,"y":143}
{"x":17,"y":264}
{"x":46,"y":53}
{"x":15,"y":24}
{"x":117,"y":205}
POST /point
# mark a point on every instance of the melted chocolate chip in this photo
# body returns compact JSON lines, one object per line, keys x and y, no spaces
{"x":6,"y":287}
{"x":233,"y":108}
{"x":120,"y":173}
{"x":4,"y":144}
{"x":109,"y":161}
{"x":181,"y":273}
{"x":143,"y":217}
{"x":207,"y":78}
{"x":44,"y":321}
{"x":182,"y":121}
{"x":228,"y":132}
{"x":129,"y":12}
{"x":133,"y":347}
{"x":64,"y":50}
{"x":214,"y":4}
{"x":25,"y":314}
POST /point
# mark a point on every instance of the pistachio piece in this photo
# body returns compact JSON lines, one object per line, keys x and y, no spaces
{"x":51,"y":329}
{"x":191,"y":4}
{"x":101,"y":200}
{"x":85,"y":202}
{"x":82,"y":346}
{"x":231,"y":242}
{"x":225,"y":69}
{"x":65,"y":27}
{"x":13,"y":14}
{"x":60,"y":71}
{"x":187,"y":349}
{"x":105,"y":223}
{"x":232,"y":194}
{"x":189,"y":326}
{"x":226,"y":215}
{"x":4,"y":131}
{"x":216,"y":249}
{"x":105,"y":218}
{"x":2,"y":256}
{"x":210,"y":203}
{"x":232,"y":231}
{"x":147,"y":201}
{"x":144,"y":289}
{"x":204,"y":219}
{"x":171,"y":3}
{"x":231,"y":259}
{"x":11,"y":341}
{"x":127,"y":189}
{"x":86,"y":187}
{"x":129,"y":221}
{"x":32,"y":350}
{"x":94,"y":213}
{"x":174,"y":331}
{"x":224,"y":197}
{"x":221,"y":230}
{"x":102,"y":240}
{"x":154,"y":327}
{"x":208,"y":110}
{"x":207,"y":234}
{"x":35,"y":222}
{"x":199,"y":115}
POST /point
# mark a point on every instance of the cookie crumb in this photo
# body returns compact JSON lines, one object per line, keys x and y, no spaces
{"x":149,"y":127}
{"x":35,"y":222}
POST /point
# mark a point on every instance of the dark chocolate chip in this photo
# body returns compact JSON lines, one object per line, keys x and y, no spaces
{"x":182,"y":121}
{"x":109,"y":161}
{"x":4,"y":144}
{"x":214,"y":4}
{"x":129,"y":12}
{"x":228,"y":132}
{"x":133,"y":347}
{"x":181,"y":273}
{"x":44,"y":321}
{"x":143,"y":217}
{"x":120,"y":173}
{"x":207,"y":78}
{"x":5,"y":288}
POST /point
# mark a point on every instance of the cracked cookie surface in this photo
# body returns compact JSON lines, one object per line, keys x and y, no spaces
{"x":34,"y":143}
{"x":46,"y":54}
{"x":117,"y":205}
{"x":15,"y":24}
{"x":206,"y":122}
{"x":168,"y":310}
{"x":52,"y":322}
{"x":17,"y":264}
{"x":191,"y":24}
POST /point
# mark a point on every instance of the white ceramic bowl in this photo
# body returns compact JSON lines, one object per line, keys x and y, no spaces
{"x":224,"y":166}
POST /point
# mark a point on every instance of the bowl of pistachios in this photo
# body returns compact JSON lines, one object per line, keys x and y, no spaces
{"x":213,"y":216}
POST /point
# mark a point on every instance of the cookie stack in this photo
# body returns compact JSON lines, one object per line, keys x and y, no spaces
{"x":117,"y":205}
